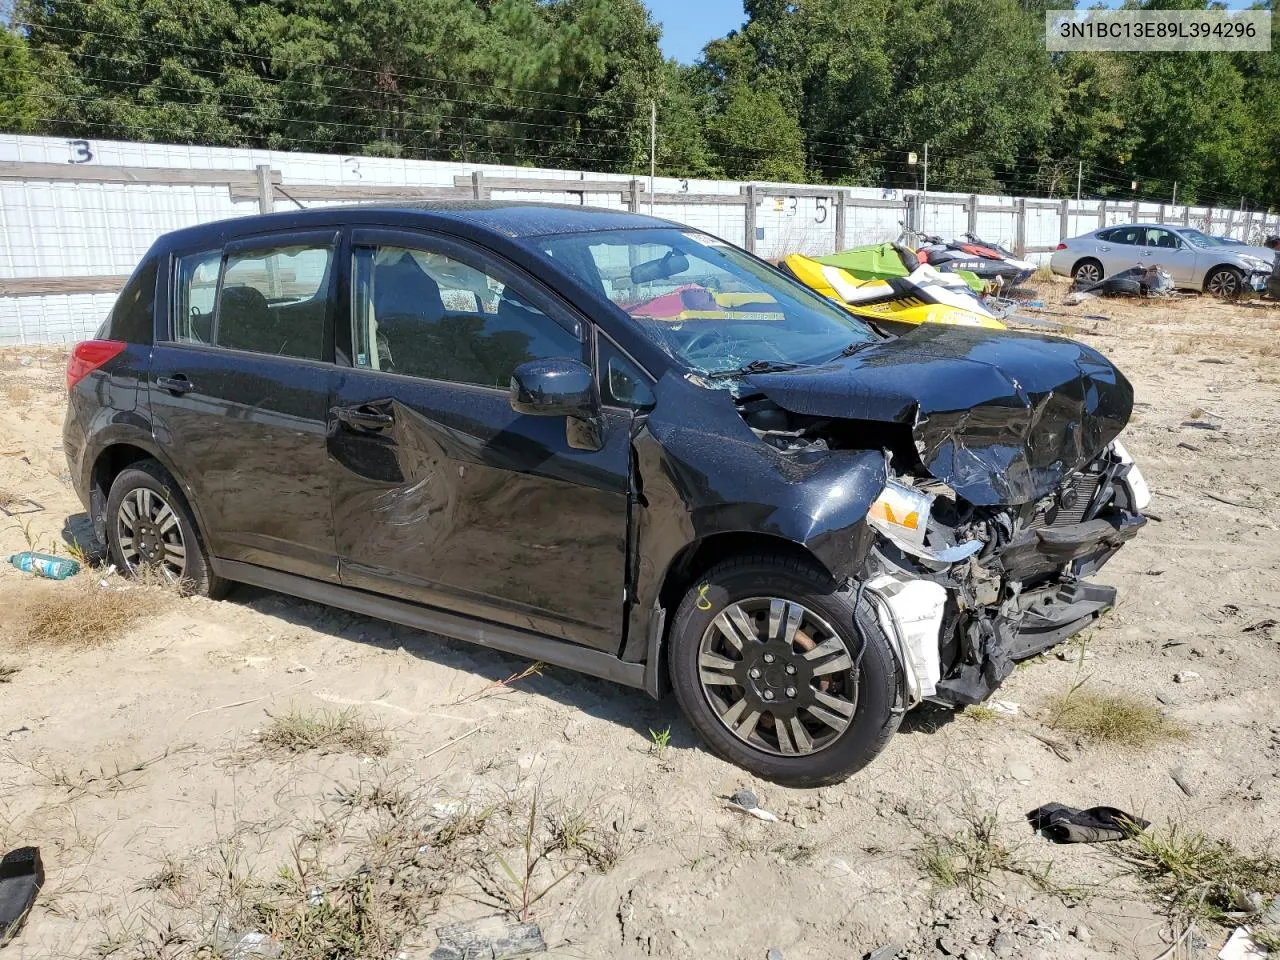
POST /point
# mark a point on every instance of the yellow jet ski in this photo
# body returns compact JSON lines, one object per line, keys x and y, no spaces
{"x":897,"y":304}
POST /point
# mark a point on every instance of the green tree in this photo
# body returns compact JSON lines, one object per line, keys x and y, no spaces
{"x":20,"y":101}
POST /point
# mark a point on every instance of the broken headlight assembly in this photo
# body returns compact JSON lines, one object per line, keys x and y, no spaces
{"x":901,"y":514}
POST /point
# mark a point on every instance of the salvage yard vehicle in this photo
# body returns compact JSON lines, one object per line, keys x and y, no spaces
{"x":1195,"y":260}
{"x":612,"y":443}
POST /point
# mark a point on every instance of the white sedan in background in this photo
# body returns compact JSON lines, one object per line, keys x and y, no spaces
{"x":1194,"y":259}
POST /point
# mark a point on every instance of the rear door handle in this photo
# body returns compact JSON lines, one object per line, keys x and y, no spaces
{"x":176,"y":384}
{"x":364,"y":416}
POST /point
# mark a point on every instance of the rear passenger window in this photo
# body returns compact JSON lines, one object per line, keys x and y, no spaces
{"x":425,"y":314}
{"x":196,"y":291}
{"x":275,"y":301}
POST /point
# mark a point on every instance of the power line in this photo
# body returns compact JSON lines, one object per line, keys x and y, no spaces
{"x":303,"y":63}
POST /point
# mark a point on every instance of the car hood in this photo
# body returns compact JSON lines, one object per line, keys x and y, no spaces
{"x":1000,"y":417}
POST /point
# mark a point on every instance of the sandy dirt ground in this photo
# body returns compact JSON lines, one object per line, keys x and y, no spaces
{"x":170,"y":821}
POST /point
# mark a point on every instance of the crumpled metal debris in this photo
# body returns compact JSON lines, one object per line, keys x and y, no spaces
{"x":489,"y":938}
{"x":1152,"y":281}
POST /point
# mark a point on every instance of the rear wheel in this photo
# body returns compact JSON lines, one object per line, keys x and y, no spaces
{"x":151,"y":527}
{"x":1224,"y":282}
{"x":1087,"y":271}
{"x":769,"y":667}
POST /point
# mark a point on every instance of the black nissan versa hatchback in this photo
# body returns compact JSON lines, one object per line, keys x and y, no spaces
{"x":612,"y":443}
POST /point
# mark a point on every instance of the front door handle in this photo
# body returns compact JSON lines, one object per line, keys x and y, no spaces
{"x":364,"y":417}
{"x":177,"y":384}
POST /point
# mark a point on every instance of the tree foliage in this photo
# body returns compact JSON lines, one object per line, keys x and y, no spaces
{"x":837,"y":91}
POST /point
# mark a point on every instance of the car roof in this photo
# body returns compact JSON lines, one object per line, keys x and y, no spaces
{"x":511,"y":219}
{"x":1161,"y":226}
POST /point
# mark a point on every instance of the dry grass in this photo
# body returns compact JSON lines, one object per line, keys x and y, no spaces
{"x":1116,"y":719}
{"x":1042,"y":274}
{"x":362,"y":879}
{"x":78,"y":613}
{"x":19,"y":394}
{"x":979,"y":714}
{"x":325,"y":732}
{"x":1200,"y":879}
{"x":972,"y":855}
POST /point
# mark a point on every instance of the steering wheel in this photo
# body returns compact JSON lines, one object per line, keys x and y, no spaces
{"x":703,"y":339}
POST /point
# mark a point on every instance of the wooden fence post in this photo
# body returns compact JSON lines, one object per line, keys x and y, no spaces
{"x":1186,"y":215}
{"x":840,"y":219}
{"x":1102,"y":214}
{"x":750,"y":218}
{"x":1064,"y":220}
{"x":972,"y":226}
{"x":478,"y":190}
{"x":1020,"y":227}
{"x":266,"y":193}
{"x":1135,"y":214}
{"x":633,"y":198}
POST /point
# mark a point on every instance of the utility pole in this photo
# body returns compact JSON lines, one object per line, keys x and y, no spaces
{"x":1079,"y":178}
{"x":925,"y":193}
{"x":1175,"y":193}
{"x":653,"y":148}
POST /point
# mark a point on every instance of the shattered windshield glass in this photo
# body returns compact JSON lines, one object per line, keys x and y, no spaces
{"x":709,"y":305}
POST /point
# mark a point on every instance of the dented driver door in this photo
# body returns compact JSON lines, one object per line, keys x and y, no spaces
{"x":442,"y":493}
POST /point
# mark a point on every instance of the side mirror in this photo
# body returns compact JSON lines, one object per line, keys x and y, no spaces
{"x":554,"y":387}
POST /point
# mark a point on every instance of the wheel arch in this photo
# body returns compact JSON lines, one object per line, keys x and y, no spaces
{"x":689,"y":563}
{"x":111,"y":461}
{"x":1204,"y":284}
{"x":1102,"y":271}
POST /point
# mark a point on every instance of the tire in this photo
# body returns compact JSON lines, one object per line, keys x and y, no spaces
{"x":149,"y":524}
{"x":1087,"y":271}
{"x":1224,"y":282}
{"x":859,"y":689}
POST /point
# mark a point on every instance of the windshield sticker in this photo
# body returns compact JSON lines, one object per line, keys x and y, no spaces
{"x":705,"y":240}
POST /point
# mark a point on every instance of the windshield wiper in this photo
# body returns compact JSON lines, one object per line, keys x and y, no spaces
{"x":854,"y":347}
{"x":755,"y":366}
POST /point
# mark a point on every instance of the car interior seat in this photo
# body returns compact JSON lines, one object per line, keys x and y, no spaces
{"x":408,"y":305}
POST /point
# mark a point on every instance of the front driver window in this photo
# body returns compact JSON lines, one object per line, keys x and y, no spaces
{"x":423,"y":313}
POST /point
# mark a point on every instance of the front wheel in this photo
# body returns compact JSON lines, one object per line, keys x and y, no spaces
{"x":1224,"y":282}
{"x":771,"y":671}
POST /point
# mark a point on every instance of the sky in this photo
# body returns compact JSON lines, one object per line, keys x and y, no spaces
{"x":688,"y":25}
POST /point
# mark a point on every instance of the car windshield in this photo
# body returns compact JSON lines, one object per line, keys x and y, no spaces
{"x":1196,"y":238}
{"x":712,"y":307}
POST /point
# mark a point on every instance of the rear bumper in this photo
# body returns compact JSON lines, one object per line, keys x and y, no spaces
{"x":74,"y":444}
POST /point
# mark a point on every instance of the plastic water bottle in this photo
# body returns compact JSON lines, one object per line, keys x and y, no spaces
{"x":41,"y":564}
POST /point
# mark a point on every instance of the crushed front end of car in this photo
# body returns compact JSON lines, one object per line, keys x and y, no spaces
{"x":1005,"y":488}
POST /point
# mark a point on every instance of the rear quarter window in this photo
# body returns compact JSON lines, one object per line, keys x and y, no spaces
{"x":131,"y":319}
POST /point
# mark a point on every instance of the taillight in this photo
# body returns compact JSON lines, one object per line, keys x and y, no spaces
{"x":88,"y":356}
{"x":1062,"y":246}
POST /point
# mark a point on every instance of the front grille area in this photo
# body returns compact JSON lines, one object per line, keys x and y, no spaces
{"x":1070,"y":504}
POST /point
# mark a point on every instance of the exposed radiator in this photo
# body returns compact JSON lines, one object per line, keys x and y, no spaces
{"x":1070,"y":504}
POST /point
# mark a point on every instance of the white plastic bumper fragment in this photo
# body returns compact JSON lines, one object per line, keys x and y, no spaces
{"x":1134,"y":480}
{"x":910,"y":613}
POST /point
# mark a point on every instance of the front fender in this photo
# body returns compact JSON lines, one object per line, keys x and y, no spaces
{"x":702,"y":472}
